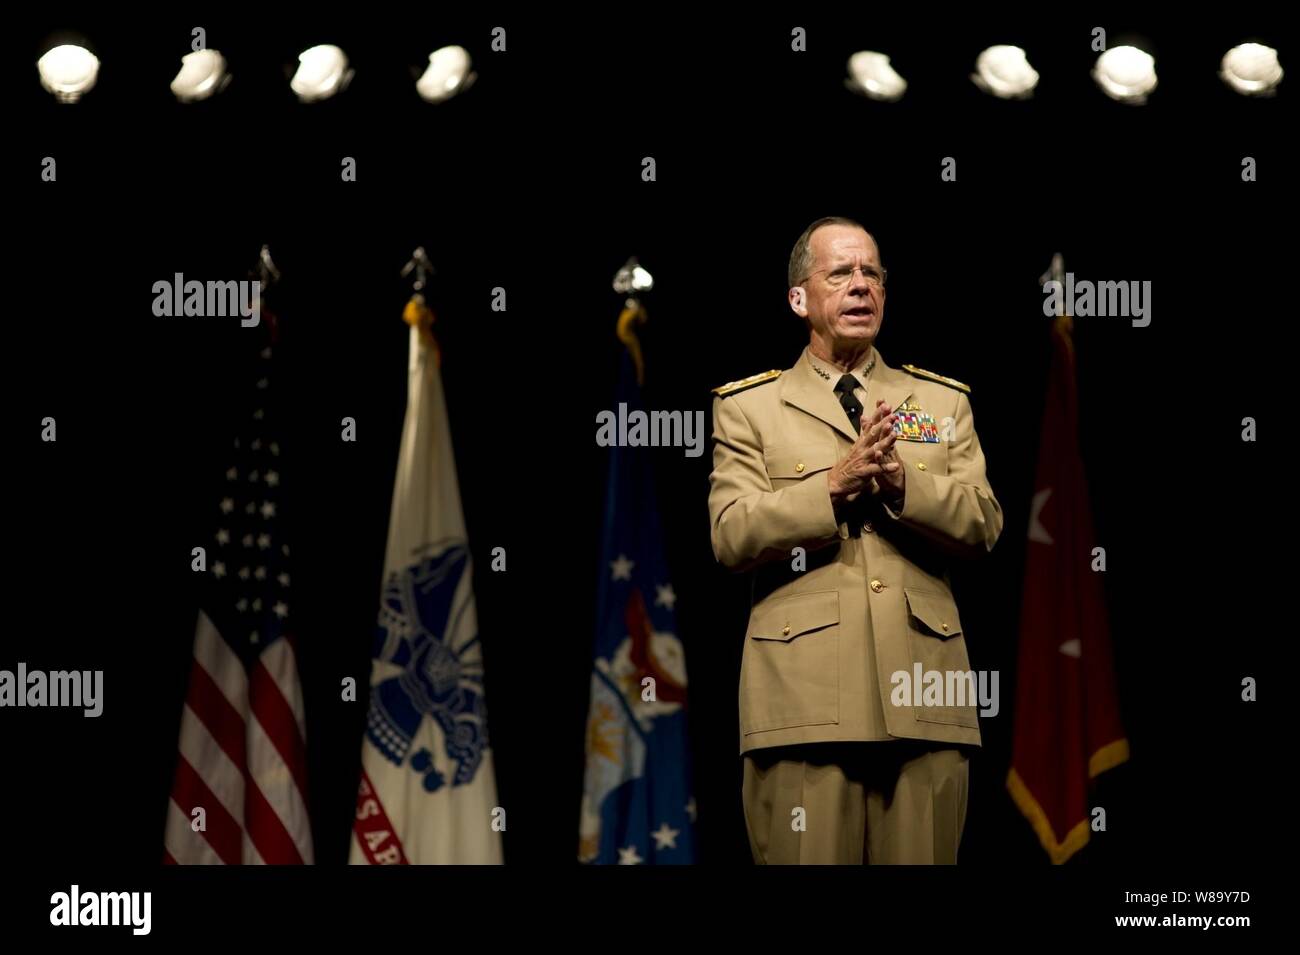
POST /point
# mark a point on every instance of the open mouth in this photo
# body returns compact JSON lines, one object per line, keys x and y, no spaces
{"x":860,"y":311}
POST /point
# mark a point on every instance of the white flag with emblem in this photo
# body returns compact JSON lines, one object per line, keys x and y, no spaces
{"x":428,"y":790}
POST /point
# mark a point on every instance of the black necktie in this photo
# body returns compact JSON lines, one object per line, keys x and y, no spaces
{"x":844,"y":388}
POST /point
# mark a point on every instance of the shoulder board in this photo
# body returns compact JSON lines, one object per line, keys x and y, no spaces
{"x":731,"y":387}
{"x":950,"y":382}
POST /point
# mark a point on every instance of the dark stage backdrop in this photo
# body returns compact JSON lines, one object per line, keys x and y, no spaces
{"x":532,"y":182}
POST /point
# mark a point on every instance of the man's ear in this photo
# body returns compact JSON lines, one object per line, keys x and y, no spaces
{"x":798,"y":299}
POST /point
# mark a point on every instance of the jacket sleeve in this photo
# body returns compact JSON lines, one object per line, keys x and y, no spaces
{"x":956,"y":510}
{"x":751,"y":522}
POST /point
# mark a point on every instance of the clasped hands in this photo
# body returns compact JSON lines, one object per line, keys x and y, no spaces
{"x":872,"y":458}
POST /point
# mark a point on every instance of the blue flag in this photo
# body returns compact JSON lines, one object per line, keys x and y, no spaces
{"x":637,"y":806}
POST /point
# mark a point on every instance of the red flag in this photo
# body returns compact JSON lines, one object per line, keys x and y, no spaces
{"x":1067,"y":726}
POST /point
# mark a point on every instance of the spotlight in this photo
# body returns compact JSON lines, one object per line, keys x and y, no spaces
{"x":68,"y":71}
{"x":1004,"y":72}
{"x":203,"y":74}
{"x":871,"y":75}
{"x":322,"y":71}
{"x":448,"y":73}
{"x":1126,"y":74}
{"x":1251,"y":69}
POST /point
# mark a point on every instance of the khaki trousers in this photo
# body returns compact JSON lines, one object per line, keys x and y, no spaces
{"x":891,"y":802}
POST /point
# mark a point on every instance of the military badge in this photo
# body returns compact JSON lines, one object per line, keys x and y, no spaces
{"x":913,"y":424}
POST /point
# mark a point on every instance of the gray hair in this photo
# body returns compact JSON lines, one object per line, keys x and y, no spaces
{"x":801,"y":257}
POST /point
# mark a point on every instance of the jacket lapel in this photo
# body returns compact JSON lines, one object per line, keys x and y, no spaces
{"x":887,"y":384}
{"x":802,"y":388}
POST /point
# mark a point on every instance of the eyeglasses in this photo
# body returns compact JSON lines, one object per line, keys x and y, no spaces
{"x":841,"y":275}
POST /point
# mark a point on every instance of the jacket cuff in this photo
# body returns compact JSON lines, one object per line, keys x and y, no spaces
{"x":816,"y":508}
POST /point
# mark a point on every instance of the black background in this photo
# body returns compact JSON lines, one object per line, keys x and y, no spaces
{"x":531,"y":181}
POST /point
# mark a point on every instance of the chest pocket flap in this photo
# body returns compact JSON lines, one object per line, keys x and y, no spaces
{"x":936,"y":612}
{"x":789,"y":617}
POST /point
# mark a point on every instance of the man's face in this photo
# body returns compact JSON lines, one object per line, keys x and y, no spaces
{"x":842,"y":303}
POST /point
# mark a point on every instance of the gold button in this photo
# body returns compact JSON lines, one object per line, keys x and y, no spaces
{"x":920,"y":465}
{"x":945,"y":627}
{"x":798,"y":468}
{"x":877,"y":586}
{"x":785,"y":631}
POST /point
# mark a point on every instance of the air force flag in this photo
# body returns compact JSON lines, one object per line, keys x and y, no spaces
{"x":636,"y":804}
{"x":427,"y":791}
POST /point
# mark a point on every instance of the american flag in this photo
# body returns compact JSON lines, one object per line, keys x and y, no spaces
{"x":242,"y":742}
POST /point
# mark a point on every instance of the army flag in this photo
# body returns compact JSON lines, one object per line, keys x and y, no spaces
{"x":637,"y":805}
{"x":1067,"y":726}
{"x":428,"y":791}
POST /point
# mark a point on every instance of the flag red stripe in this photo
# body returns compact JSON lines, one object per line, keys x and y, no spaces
{"x":223,"y":721}
{"x":167,"y":858}
{"x":272,"y":840}
{"x":222,"y":832}
{"x":276,"y":716}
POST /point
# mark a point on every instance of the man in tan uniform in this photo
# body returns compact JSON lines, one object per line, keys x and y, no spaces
{"x":848,"y":518}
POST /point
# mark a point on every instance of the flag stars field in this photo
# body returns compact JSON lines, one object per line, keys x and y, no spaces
{"x":665,"y":837}
{"x":664,"y":596}
{"x":622,"y":567}
{"x":629,"y":856}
